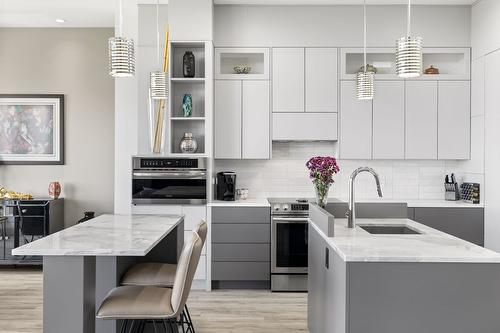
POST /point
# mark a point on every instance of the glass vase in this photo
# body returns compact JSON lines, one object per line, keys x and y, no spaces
{"x":157,"y":125}
{"x":321,"y":190}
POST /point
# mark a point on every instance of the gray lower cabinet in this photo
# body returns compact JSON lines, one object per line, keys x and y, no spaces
{"x":241,"y":247}
{"x":464,"y":223}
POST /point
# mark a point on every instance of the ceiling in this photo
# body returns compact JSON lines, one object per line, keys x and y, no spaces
{"x":99,"y":13}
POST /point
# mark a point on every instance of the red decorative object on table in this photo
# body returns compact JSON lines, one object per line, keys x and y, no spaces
{"x":54,"y":190}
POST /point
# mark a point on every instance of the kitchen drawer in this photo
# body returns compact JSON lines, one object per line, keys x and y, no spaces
{"x":241,"y":233}
{"x":244,"y":215}
{"x":30,"y":210}
{"x":241,"y":271}
{"x":241,"y":252}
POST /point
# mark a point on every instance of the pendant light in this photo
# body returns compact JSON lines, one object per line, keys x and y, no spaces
{"x":121,"y":52}
{"x":365,"y":77}
{"x":158,"y":87}
{"x":409,"y":52}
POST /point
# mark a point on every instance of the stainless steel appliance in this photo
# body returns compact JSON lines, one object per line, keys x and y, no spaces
{"x":226,"y":186}
{"x":289,"y":233}
{"x":163,"y":180}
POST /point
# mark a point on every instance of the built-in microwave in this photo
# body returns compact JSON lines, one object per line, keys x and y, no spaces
{"x":163,"y":180}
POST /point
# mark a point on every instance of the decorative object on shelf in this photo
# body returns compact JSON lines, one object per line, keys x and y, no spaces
{"x":188,"y":64}
{"x":158,"y":93}
{"x":121,"y":52}
{"x":321,"y":172}
{"x":409,"y":52}
{"x":369,"y":68}
{"x":242,"y":69}
{"x":8,"y":194}
{"x":86,"y":216}
{"x":188,"y":144}
{"x":365,"y":85}
{"x":187,"y":105}
{"x":32,"y":130}
{"x":54,"y":190}
{"x":432,"y":70}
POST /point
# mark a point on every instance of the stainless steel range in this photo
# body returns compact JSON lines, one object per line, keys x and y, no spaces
{"x":289,"y":225}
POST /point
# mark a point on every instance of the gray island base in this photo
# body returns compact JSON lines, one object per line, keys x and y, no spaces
{"x":83,"y":263}
{"x":429,"y":282}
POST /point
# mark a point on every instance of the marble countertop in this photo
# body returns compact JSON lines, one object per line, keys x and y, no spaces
{"x":422,"y":203}
{"x":262,"y":202}
{"x":105,"y":235}
{"x":357,"y":245}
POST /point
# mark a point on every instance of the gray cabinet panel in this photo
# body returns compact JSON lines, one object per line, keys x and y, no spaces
{"x":241,"y":271}
{"x":241,"y":252}
{"x":370,"y":210}
{"x":241,"y":215}
{"x":241,"y":233}
{"x":465,"y":223}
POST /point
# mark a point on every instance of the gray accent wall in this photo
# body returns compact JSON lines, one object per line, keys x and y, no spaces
{"x":72,"y":62}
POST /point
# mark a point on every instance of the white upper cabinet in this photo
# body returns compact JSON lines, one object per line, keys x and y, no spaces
{"x":321,"y":79}
{"x":421,"y":119}
{"x":356,"y":124}
{"x":389,"y":120}
{"x":288,"y":80}
{"x":228,"y":119}
{"x":454,"y":120}
{"x":256,"y":119}
{"x":305,"y":126}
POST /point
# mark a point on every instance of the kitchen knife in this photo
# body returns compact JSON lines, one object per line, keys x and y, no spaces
{"x":447,"y":179}
{"x":453,"y":181}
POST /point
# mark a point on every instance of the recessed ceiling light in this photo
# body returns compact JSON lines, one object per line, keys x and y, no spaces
{"x":59,"y":20}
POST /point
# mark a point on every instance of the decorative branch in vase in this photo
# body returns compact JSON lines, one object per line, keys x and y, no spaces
{"x":321,"y":172}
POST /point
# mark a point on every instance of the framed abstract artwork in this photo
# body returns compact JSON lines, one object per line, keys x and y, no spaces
{"x":31,"y":129}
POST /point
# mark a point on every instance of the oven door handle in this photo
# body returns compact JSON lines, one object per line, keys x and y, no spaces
{"x":290,"y":219}
{"x":170,"y":175}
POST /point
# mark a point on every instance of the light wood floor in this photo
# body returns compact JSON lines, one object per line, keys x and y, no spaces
{"x":241,"y":311}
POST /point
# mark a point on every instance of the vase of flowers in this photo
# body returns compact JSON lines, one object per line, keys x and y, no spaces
{"x":321,"y":171}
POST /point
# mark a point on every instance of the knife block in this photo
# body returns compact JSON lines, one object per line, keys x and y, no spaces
{"x":452,"y":193}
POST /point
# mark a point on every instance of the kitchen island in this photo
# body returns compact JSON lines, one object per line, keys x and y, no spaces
{"x":417,"y":279}
{"x":83,"y":263}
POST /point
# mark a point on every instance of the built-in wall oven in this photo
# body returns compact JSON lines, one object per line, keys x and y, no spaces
{"x":162,"y":180}
{"x":289,"y":244}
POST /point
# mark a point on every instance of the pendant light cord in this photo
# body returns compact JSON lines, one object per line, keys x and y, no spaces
{"x":364,"y":36}
{"x":408,"y":19}
{"x":120,"y":18}
{"x":158,"y":31}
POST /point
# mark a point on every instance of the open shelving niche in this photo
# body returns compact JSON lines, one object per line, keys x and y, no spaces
{"x":453,"y":63}
{"x":197,"y":87}
{"x":227,"y":58}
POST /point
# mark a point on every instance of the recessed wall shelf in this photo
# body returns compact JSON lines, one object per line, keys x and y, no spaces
{"x":187,"y":118}
{"x":453,"y":63}
{"x":227,"y":58}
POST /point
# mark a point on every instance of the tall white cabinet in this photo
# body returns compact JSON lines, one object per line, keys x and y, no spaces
{"x":255,"y":120}
{"x":288,"y":80}
{"x":321,"y":80}
{"x":228,"y":96}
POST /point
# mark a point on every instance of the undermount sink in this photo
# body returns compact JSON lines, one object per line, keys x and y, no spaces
{"x":389,"y":230}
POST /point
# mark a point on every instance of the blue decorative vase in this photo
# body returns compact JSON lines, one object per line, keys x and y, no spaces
{"x":187,"y":105}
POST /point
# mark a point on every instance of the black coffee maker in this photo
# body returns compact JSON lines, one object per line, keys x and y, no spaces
{"x":226,"y":186}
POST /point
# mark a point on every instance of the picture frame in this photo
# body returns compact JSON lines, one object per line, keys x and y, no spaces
{"x":31,"y":129}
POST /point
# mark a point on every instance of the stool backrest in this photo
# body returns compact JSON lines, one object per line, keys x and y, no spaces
{"x":201,"y":230}
{"x":184,"y":275}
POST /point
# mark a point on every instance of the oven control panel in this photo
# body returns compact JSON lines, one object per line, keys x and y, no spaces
{"x":284,"y":208}
{"x":168,"y":163}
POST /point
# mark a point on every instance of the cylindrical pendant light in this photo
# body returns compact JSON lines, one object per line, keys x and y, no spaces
{"x":365,"y":86}
{"x":409,"y":52}
{"x":121,"y":52}
{"x":158,"y":83}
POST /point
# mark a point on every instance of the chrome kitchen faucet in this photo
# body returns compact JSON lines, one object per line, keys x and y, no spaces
{"x":351,"y":212}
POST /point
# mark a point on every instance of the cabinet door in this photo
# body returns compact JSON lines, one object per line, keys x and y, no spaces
{"x":288,"y":80}
{"x":256,"y":118}
{"x":305,"y":126}
{"x":389,"y":120}
{"x":421,"y":119}
{"x":227,"y":119}
{"x":355,"y":124}
{"x":454,"y":120}
{"x":316,"y":283}
{"x":321,"y":80}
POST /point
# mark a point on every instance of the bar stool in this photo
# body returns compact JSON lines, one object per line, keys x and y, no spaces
{"x":142,"y":305}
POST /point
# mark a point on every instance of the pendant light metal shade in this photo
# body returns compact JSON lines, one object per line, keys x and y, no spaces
{"x":409,"y":52}
{"x":121,"y":57}
{"x":158,"y":84}
{"x":365,"y":85}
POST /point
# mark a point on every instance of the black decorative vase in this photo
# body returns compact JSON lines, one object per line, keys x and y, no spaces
{"x":188,"y":69}
{"x":87,"y":216}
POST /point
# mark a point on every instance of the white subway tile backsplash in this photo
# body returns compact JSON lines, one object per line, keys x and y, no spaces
{"x":286,"y":174}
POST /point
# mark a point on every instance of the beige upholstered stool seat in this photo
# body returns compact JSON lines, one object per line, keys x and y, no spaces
{"x":150,"y":274}
{"x":137,"y":302}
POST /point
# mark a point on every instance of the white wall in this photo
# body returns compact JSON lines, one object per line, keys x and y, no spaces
{"x":338,"y":25}
{"x":72,"y":62}
{"x":485,"y":106}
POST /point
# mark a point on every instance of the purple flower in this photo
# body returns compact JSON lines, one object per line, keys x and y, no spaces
{"x":322,"y":169}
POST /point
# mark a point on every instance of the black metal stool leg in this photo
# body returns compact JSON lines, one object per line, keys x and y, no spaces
{"x":131,"y":326}
{"x":190,"y":321}
{"x":123,"y":329}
